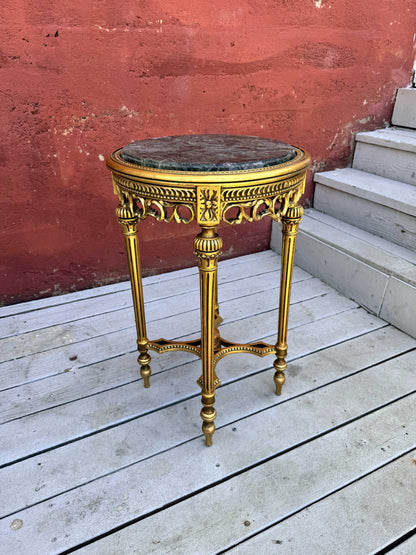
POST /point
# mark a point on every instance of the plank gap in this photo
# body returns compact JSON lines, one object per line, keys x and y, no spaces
{"x":194,"y":395}
{"x":397,"y":542}
{"x":242,"y":471}
{"x":319,"y":499}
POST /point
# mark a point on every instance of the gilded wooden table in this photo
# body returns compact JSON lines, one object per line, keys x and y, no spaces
{"x":209,"y":178}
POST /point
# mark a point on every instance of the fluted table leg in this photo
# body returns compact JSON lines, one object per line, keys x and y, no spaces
{"x":290,"y":224}
{"x":217,"y":317}
{"x":128,"y":218}
{"x":207,"y":247}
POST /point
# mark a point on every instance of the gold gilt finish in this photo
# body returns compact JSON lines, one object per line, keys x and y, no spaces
{"x":209,"y":198}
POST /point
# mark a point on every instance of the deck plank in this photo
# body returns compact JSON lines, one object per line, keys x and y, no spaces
{"x":101,"y":347}
{"x":408,"y":547}
{"x":121,"y":298}
{"x":37,"y":478}
{"x":96,"y":463}
{"x":67,"y":298}
{"x":44,"y":339}
{"x":236,"y":509}
{"x":299,"y":477}
{"x":33,"y":433}
{"x":361,"y":518}
{"x":66,"y":387}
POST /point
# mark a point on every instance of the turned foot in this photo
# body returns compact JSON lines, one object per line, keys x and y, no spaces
{"x":208,"y":426}
{"x":279,"y":378}
{"x":145,"y":372}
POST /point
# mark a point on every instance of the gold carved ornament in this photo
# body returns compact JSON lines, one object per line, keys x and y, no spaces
{"x":163,"y":196}
{"x":209,"y":205}
{"x":209,"y":211}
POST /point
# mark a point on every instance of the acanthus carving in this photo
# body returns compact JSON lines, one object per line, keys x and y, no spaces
{"x":208,"y":250}
{"x":292,"y":219}
{"x":127,"y":209}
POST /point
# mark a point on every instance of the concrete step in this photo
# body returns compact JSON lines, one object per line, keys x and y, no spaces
{"x":376,"y":204}
{"x":389,"y":152}
{"x":372,"y":271}
{"x":404,"y":113}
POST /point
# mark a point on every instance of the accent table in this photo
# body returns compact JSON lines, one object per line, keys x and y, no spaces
{"x":209,"y":178}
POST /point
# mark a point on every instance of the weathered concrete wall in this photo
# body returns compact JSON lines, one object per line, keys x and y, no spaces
{"x":79,"y":79}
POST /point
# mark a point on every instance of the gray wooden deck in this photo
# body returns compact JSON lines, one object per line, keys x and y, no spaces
{"x":94,"y":463}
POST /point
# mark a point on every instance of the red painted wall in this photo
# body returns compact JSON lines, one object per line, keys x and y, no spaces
{"x":79,"y":79}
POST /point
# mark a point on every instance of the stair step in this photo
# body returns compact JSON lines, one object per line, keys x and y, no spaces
{"x":380,"y":253}
{"x":404,"y":113}
{"x":361,"y":236}
{"x":389,"y":192}
{"x":370,"y":270}
{"x":399,"y":138}
{"x":373,"y":203}
{"x":389,"y":152}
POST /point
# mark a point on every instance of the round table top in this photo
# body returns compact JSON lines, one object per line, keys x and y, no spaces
{"x":208,"y":153}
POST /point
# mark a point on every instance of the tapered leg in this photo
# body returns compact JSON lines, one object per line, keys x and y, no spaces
{"x":207,"y":247}
{"x":290,"y":224}
{"x":127,"y":216}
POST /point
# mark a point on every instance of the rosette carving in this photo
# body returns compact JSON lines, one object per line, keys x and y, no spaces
{"x":209,"y":205}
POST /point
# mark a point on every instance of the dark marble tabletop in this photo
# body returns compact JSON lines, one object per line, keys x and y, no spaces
{"x":208,"y":153}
